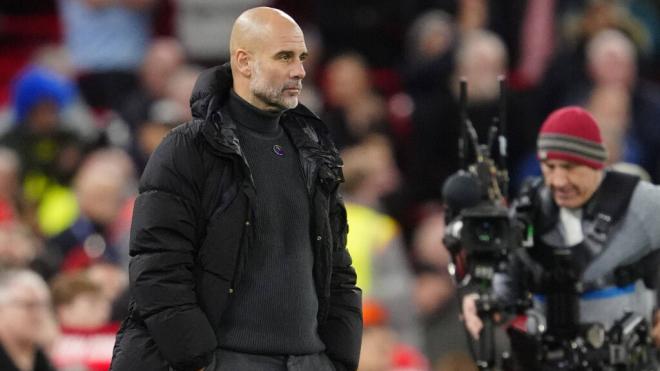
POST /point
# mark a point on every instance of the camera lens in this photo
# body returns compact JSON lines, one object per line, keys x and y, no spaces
{"x":485,"y":231}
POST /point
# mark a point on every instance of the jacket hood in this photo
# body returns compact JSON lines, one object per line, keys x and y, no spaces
{"x":211,"y":89}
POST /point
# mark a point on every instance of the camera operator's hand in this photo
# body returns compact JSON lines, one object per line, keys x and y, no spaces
{"x":655,"y":331}
{"x":472,"y":321}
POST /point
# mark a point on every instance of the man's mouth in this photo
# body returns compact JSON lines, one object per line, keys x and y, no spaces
{"x":564,"y":194}
{"x":293,"y":88}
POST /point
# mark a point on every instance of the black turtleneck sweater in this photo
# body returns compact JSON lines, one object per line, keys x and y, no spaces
{"x":274,"y":308}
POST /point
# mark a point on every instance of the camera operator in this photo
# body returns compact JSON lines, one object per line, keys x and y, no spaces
{"x":607,"y":222}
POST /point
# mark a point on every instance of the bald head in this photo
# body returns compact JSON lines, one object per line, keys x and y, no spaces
{"x":252,"y":28}
{"x":267,"y":50}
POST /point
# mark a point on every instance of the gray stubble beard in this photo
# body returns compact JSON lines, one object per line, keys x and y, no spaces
{"x":272,"y":96}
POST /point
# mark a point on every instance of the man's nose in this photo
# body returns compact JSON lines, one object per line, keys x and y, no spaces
{"x":558,"y":178}
{"x":298,"y":71}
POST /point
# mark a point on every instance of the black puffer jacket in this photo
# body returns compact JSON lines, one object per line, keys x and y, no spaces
{"x":192,"y":226}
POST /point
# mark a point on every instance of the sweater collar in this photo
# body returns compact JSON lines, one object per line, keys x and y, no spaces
{"x":251,"y":117}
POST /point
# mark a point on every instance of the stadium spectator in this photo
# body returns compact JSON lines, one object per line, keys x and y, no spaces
{"x":179,"y":88}
{"x":626,"y":106}
{"x":375,"y":240}
{"x":103,"y":185}
{"x":107,"y":40}
{"x":10,"y":190}
{"x":480,"y":58}
{"x":354,"y":109}
{"x":164,"y":115}
{"x":49,"y":154}
{"x":86,"y":333}
{"x":18,"y":246}
{"x":382,"y":349}
{"x":163,"y":58}
{"x":24,"y":318}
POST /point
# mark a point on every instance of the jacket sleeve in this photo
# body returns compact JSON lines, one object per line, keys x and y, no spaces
{"x":163,"y":249}
{"x":342,"y":330}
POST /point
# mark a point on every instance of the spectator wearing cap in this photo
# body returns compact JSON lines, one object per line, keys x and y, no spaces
{"x":607,"y":221}
{"x":48,"y":153}
{"x":571,"y":134}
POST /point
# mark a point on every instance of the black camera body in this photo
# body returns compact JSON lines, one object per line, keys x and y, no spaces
{"x":480,"y":239}
{"x":489,"y":229}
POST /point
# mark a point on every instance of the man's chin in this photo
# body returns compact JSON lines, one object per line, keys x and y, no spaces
{"x":290,"y":103}
{"x":281,"y":106}
{"x":568,"y":202}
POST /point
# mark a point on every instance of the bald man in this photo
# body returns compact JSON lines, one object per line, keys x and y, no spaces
{"x":238,"y":243}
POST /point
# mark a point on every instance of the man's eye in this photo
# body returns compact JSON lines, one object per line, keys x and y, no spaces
{"x":285,"y":57}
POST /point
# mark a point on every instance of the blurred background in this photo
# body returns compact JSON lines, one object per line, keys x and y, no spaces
{"x":88,"y":88}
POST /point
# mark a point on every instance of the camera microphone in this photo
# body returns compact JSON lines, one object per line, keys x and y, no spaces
{"x":461,"y":190}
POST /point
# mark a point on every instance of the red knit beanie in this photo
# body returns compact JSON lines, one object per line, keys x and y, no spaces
{"x":571,"y":134}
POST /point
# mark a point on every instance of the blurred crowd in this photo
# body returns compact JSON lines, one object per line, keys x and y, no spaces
{"x":88,"y":88}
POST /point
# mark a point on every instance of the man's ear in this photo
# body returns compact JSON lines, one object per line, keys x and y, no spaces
{"x":242,"y":59}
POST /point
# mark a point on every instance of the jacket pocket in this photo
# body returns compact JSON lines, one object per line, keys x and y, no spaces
{"x":218,"y":259}
{"x":213,"y":295}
